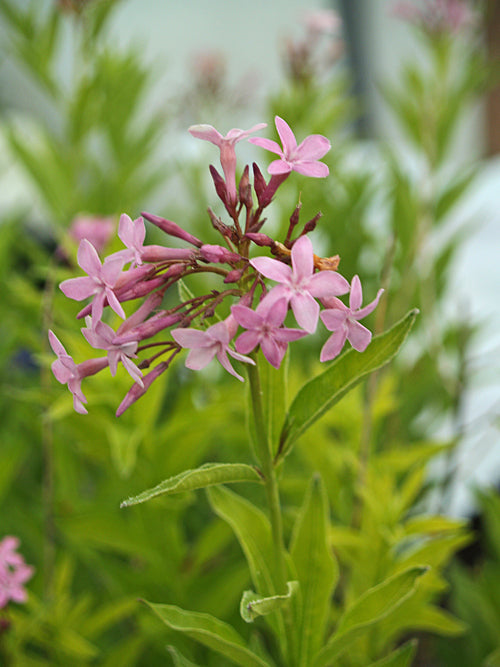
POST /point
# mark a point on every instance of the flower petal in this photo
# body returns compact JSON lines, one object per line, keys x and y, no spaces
{"x":306,"y":311}
{"x":358,"y":335}
{"x":198,"y":358}
{"x":207,"y":133}
{"x":286,"y":135}
{"x":302,"y":259}
{"x":267,"y":144}
{"x":88,"y":259}
{"x":191,"y":338}
{"x":327,"y":283}
{"x":356,"y":296}
{"x":310,"y":168}
{"x":363,"y":312}
{"x":247,"y":342}
{"x":333,"y":346}
{"x":273,"y":269}
{"x":246,"y":317}
{"x":272,"y":351}
{"x":313,"y":148}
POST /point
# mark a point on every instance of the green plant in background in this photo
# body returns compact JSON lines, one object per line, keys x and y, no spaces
{"x":377,"y":567}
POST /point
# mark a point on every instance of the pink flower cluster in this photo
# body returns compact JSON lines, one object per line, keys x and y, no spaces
{"x":306,"y":285}
{"x":437,"y":16}
{"x":14,"y":572}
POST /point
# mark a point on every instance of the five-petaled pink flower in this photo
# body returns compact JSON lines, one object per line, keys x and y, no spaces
{"x":99,"y":282}
{"x":205,"y":345}
{"x":101,"y":338}
{"x":226,"y":147}
{"x":264,"y":327}
{"x":303,"y":158}
{"x":343,"y":321}
{"x":67,"y":372}
{"x":299,"y":284}
{"x":14,"y":572}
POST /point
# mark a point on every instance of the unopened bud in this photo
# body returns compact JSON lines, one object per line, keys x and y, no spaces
{"x":259,"y":182}
{"x":172,"y":229}
{"x":217,"y":253}
{"x":158,"y":253}
{"x":235,"y":275}
{"x":245,"y":190}
{"x":261,"y":240}
{"x":220,"y":185}
{"x":311,"y":225}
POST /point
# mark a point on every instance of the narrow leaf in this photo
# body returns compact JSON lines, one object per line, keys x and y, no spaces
{"x":209,"y":631}
{"x":253,"y":605}
{"x":274,"y":387}
{"x":178,"y":659}
{"x":322,"y":392}
{"x":401,"y":657}
{"x":316,"y":569}
{"x":372,"y":607}
{"x":208,"y":474}
{"x":253,"y":530}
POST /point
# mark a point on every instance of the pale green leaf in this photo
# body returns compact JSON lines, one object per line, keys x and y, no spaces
{"x":401,"y":657}
{"x":253,"y":605}
{"x":210,"y":632}
{"x":373,"y":606}
{"x":316,"y":569}
{"x":322,"y":392}
{"x":208,"y":474}
{"x":178,"y":659}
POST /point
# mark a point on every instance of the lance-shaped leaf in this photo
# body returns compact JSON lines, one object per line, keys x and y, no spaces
{"x":209,"y":631}
{"x":373,"y":606}
{"x":253,"y":530}
{"x":178,"y":659}
{"x":317,"y":571}
{"x":322,"y":392}
{"x":253,"y":605}
{"x":401,"y":657}
{"x":208,"y":474}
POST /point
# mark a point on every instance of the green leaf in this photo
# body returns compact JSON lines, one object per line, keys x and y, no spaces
{"x":208,"y":474}
{"x":316,"y":568}
{"x":448,"y":198}
{"x":210,"y":632}
{"x":253,"y":605}
{"x":401,"y":657}
{"x":373,"y":606}
{"x":253,"y":530}
{"x":178,"y":659}
{"x":493,"y":659}
{"x":322,"y":392}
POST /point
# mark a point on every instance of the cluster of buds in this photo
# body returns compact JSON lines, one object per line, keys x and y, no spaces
{"x":144,"y":273}
{"x":14,"y":572}
{"x":437,"y":16}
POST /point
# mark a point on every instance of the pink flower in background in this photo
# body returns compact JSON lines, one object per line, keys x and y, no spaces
{"x":101,"y":337}
{"x":67,"y":372}
{"x":343,"y":321}
{"x":299,"y":284}
{"x":205,"y":345}
{"x":303,"y":158}
{"x":95,"y":229}
{"x":226,"y":146}
{"x":264,"y":327}
{"x":14,"y":572}
{"x":436,"y":15}
{"x":98,"y":283}
{"x":323,"y":21}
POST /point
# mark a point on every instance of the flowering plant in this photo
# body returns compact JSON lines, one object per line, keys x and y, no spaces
{"x":292,"y":586}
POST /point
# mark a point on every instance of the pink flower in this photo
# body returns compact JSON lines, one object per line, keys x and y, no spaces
{"x":436,"y":15}
{"x":264,"y":328}
{"x":101,"y":337}
{"x":226,"y":146}
{"x":99,"y":282}
{"x":132,"y":233}
{"x":67,"y":372}
{"x":343,"y":321}
{"x":205,"y":345}
{"x":299,"y":284}
{"x":96,"y":230}
{"x":14,"y":572}
{"x":303,"y":159}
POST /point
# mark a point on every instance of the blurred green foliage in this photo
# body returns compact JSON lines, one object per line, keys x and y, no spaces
{"x":62,"y":476}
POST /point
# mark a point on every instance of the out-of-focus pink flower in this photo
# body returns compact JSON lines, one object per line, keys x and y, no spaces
{"x":323,"y":21}
{"x":264,"y":327}
{"x":14,"y":572}
{"x":303,"y":158}
{"x":101,"y":338}
{"x":205,"y":345}
{"x":67,"y":372}
{"x":95,"y":229}
{"x":99,"y":282}
{"x":436,"y":16}
{"x":299,"y":284}
{"x":343,"y":321}
{"x":227,"y":152}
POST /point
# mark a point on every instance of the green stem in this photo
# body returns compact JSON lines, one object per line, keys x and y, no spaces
{"x":264,"y":455}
